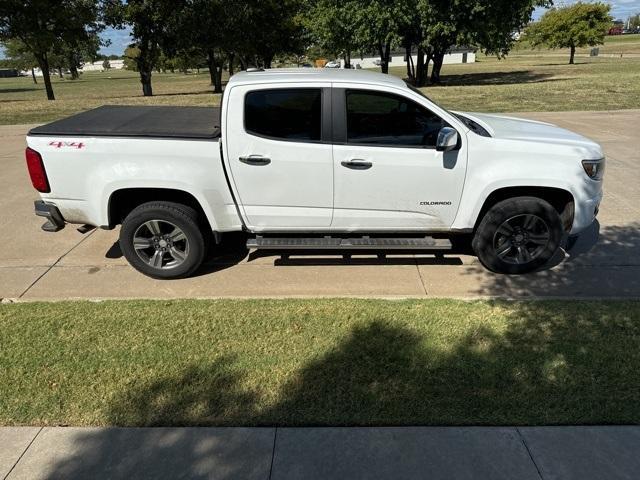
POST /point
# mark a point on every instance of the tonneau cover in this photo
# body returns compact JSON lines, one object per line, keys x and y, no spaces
{"x":138,"y":121}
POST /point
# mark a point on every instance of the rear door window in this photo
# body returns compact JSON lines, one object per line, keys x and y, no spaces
{"x":285,"y":114}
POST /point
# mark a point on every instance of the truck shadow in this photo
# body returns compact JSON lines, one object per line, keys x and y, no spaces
{"x":603,"y":262}
{"x":548,"y":365}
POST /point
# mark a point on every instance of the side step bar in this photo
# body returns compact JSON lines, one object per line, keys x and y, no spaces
{"x":358,"y":243}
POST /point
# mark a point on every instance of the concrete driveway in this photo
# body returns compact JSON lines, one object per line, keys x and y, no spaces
{"x":605,"y":262}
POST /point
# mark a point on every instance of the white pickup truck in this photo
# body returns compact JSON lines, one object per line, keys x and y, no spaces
{"x":322,"y":159}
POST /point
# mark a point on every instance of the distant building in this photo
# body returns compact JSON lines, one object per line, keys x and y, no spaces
{"x":97,"y":66}
{"x":399,"y":58}
{"x":8,"y":72}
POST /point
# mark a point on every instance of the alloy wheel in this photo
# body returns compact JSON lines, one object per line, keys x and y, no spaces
{"x":521,"y":239}
{"x":161,"y":244}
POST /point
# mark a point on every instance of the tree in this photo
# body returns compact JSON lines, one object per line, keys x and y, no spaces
{"x":73,"y":53}
{"x":131,"y":53}
{"x":438,"y":25}
{"x":284,"y":33}
{"x":150,"y":22}
{"x":42,"y":25}
{"x":634,"y":22}
{"x":332,"y":25}
{"x":20,"y":57}
{"x":205,"y":25}
{"x":578,"y":25}
{"x":379,"y":24}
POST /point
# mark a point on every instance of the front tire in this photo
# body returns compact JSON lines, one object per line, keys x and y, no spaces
{"x":163,"y":240}
{"x":518,"y":235}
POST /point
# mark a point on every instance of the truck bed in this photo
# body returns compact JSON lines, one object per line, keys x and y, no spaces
{"x":138,"y":121}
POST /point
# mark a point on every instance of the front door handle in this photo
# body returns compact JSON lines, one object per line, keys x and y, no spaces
{"x":357,"y":164}
{"x":255,"y":160}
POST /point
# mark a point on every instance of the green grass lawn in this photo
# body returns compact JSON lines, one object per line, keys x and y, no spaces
{"x":319,"y":362}
{"x":527,"y":80}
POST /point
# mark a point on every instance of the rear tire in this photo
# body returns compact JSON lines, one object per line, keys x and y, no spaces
{"x":163,"y":240}
{"x":518,"y":235}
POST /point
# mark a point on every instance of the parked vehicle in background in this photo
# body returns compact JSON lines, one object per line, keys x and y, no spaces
{"x":334,"y":160}
{"x":332,"y":64}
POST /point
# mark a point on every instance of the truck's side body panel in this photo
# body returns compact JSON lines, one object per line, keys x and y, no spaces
{"x":498,"y":163}
{"x":84,"y":172}
{"x":295,"y":189}
{"x":406,"y":188}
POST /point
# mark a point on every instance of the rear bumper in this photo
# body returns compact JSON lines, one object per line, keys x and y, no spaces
{"x":55,"y":222}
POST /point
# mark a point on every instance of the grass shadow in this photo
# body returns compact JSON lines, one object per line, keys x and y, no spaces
{"x":19,"y":90}
{"x":548,"y":366}
{"x":496,"y":78}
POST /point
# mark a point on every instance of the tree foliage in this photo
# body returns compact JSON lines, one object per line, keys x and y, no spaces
{"x":578,"y":25}
{"x":150,"y":22}
{"x":334,"y":28}
{"x":19,"y":56}
{"x":43,"y":26}
{"x":431,"y":27}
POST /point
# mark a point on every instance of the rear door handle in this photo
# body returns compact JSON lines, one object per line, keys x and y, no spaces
{"x":255,"y":160}
{"x":357,"y":164}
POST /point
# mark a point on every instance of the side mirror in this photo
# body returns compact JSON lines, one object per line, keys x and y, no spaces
{"x":447,"y":139}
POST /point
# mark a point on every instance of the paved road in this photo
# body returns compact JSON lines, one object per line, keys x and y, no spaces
{"x":604,"y":263}
{"x":523,"y":453}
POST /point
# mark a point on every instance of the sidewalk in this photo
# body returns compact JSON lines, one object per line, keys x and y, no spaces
{"x":522,"y":453}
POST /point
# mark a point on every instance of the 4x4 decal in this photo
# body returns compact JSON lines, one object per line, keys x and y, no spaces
{"x":60,"y":144}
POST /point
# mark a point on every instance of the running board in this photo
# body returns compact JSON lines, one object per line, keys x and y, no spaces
{"x":358,"y":243}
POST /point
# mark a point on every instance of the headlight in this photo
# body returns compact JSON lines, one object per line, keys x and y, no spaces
{"x":594,"y":168}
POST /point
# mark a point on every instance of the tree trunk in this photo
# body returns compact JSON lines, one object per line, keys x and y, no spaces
{"x":60,"y":74}
{"x":43,"y":63}
{"x":73,"y":66}
{"x":438,"y":59}
{"x":421,"y":68}
{"x":347,"y":59}
{"x":231,"y":59}
{"x":268,"y":59}
{"x":411,"y":74}
{"x":385,"y":51}
{"x":215,"y":72}
{"x":33,"y":75}
{"x":145,"y":80}
{"x":572,"y":54}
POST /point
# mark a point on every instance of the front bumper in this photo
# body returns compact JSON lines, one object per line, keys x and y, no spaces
{"x":586,"y":212}
{"x":55,"y":222}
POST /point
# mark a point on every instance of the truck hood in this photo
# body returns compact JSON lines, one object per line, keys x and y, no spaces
{"x":512,"y":128}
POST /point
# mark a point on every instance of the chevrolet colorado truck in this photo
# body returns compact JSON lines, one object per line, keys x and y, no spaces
{"x":322,"y":160}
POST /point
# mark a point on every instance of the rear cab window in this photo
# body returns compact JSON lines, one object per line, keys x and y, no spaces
{"x":293,"y":114}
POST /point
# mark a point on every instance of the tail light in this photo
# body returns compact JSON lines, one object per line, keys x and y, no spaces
{"x":36,"y":171}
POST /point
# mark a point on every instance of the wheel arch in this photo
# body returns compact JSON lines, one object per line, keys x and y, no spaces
{"x":124,"y":200}
{"x":561,"y":200}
